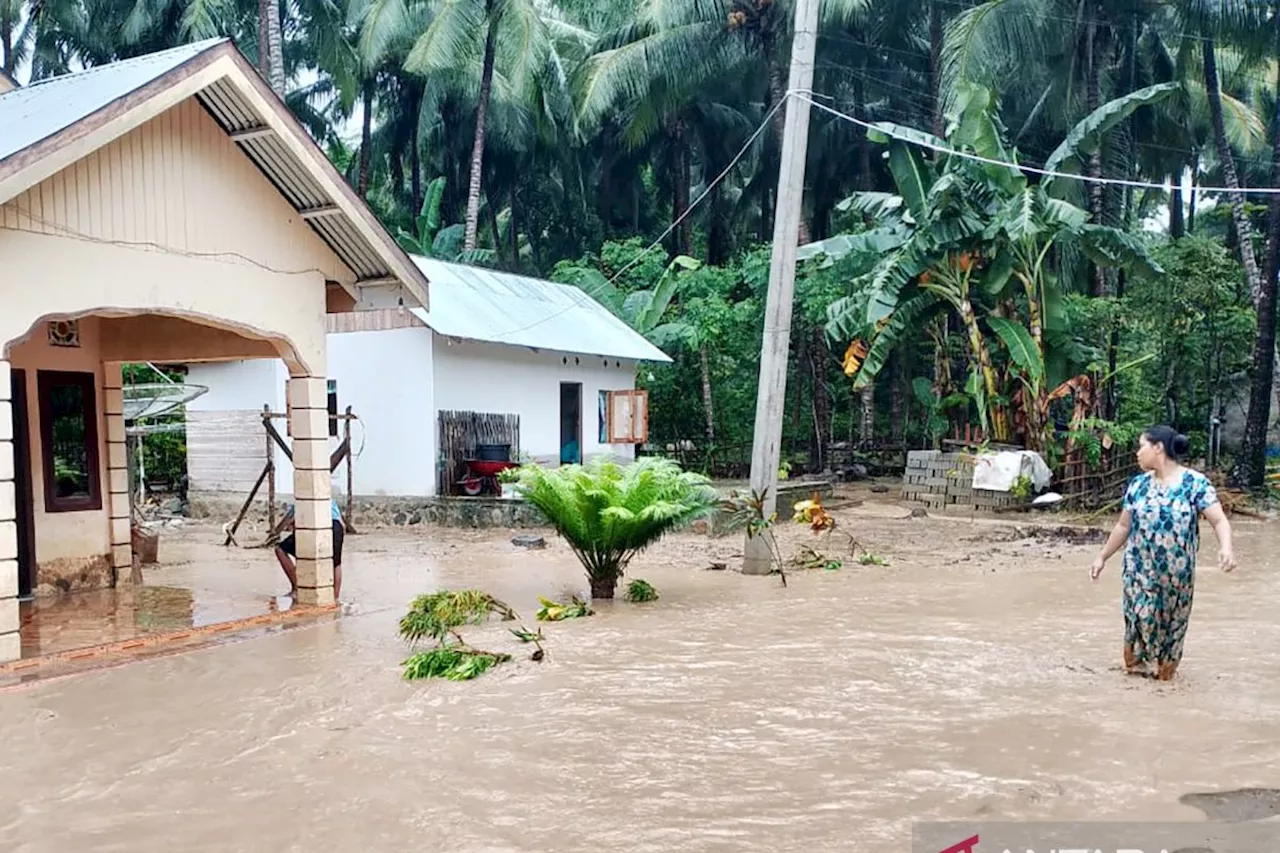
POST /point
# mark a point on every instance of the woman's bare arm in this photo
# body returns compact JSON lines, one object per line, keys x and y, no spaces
{"x":1222,"y":529}
{"x":1119,"y":534}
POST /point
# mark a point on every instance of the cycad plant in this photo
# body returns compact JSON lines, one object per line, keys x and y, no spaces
{"x":609,"y":513}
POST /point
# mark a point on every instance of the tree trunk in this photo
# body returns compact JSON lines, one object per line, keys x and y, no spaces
{"x":982,"y":357}
{"x":1177,"y":225}
{"x":1093,"y":99}
{"x":1195,"y":182}
{"x":867,"y":429}
{"x":492,"y":210}
{"x":513,"y":231}
{"x":7,"y":58}
{"x":271,"y":45}
{"x":897,"y":427}
{"x":684,"y":177}
{"x":1227,"y":164}
{"x":682,"y":235}
{"x":415,"y":170}
{"x":366,"y":137}
{"x":1252,"y":470}
{"x":778,"y":91}
{"x":477,"y":144}
{"x":935,"y":67}
{"x":704,"y":364}
{"x":718,"y":235}
{"x":603,"y":587}
{"x":821,"y":399}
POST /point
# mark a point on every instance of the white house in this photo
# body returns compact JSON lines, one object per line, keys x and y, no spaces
{"x":490,"y":342}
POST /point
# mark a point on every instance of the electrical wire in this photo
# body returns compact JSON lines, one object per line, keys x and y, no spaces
{"x":992,"y":161}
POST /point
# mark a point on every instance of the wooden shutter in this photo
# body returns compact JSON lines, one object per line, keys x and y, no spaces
{"x":640,"y":417}
{"x":628,"y":417}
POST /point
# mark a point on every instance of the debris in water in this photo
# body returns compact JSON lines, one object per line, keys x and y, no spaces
{"x":1238,"y":805}
{"x":1063,"y":533}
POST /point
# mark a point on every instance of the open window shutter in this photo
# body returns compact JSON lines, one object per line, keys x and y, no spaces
{"x":620,"y":417}
{"x":640,"y":417}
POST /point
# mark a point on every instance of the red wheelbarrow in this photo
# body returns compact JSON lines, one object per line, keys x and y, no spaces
{"x":482,"y":475}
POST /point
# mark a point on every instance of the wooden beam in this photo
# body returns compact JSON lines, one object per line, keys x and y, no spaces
{"x":335,"y":459}
{"x":251,"y":133}
{"x":271,"y":431}
{"x":317,"y":212}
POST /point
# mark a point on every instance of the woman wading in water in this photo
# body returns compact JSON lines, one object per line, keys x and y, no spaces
{"x":1159,"y":530}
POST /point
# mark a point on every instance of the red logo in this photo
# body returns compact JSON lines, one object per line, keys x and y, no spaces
{"x":965,"y":846}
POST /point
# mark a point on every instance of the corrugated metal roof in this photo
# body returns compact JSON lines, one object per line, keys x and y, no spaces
{"x":503,"y":308}
{"x":38,"y":111}
{"x":48,"y":107}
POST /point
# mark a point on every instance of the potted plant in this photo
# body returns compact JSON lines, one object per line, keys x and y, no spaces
{"x":507,"y":479}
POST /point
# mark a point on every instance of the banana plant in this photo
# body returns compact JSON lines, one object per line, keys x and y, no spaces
{"x":431,"y":239}
{"x":971,"y":236}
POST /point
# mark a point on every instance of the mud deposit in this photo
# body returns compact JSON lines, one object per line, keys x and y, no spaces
{"x":973,"y":676}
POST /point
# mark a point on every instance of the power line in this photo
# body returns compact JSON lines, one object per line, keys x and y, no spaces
{"x":991,"y":161}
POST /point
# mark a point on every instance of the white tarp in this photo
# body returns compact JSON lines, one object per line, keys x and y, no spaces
{"x":997,"y":472}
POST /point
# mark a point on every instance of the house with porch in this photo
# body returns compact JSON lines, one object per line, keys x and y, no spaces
{"x":547,"y":367}
{"x":170,"y":209}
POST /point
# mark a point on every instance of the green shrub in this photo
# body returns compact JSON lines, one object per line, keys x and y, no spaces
{"x":609,"y":513}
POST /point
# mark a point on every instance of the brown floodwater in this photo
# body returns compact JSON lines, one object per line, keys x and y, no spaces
{"x":974,"y":676}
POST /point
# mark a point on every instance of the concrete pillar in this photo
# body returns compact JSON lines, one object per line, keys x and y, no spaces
{"x":10,"y":644}
{"x":118,"y":498}
{"x":313,"y":521}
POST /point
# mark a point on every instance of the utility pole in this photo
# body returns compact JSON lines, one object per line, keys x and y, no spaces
{"x":772,"y":391}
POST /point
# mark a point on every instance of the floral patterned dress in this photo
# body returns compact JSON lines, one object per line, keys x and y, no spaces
{"x":1160,"y":563}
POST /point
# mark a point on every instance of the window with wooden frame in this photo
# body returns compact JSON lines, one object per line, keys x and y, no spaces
{"x":69,"y":441}
{"x":625,"y":417}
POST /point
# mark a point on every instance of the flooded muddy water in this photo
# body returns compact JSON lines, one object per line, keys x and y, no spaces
{"x":974,"y":676}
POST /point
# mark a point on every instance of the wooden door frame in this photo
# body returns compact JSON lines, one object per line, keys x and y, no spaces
{"x":22,"y":483}
{"x":580,"y":390}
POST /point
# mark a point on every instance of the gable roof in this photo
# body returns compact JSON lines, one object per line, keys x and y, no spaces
{"x":50,"y":124}
{"x":7,"y":83}
{"x":48,"y":106}
{"x":503,"y":308}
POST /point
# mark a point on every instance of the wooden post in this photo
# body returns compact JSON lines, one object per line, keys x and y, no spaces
{"x":772,"y":390}
{"x":271,"y":468}
{"x":346,"y":439}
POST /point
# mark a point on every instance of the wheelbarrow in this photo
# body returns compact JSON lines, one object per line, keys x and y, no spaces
{"x":482,"y":476}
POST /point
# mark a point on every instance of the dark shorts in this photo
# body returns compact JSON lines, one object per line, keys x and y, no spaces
{"x":290,"y":545}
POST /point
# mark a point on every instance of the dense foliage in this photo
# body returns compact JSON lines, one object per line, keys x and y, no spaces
{"x":561,"y":138}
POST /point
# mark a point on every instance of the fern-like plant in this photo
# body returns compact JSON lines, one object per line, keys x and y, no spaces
{"x":609,"y":513}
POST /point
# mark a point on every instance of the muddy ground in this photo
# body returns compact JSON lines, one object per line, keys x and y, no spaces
{"x":973,"y":676}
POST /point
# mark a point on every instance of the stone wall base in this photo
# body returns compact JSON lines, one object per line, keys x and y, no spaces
{"x":943,"y":482}
{"x":74,"y":574}
{"x":790,"y":492}
{"x":376,"y":512}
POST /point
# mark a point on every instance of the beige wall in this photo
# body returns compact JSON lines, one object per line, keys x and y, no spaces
{"x":179,"y":182}
{"x":48,"y":276}
{"x":64,"y":535}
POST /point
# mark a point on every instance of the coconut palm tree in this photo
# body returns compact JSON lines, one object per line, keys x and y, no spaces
{"x":509,"y":44}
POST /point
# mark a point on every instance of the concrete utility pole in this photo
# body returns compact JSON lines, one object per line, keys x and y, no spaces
{"x":772,"y":391}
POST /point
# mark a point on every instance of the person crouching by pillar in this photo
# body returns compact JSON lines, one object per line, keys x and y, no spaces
{"x":287,"y":552}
